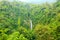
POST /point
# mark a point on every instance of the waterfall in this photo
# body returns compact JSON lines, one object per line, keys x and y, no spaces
{"x":31,"y":24}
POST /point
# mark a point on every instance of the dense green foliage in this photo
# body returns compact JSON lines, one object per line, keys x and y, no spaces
{"x":15,"y":21}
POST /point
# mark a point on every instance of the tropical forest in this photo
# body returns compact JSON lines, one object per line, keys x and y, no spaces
{"x":29,"y":21}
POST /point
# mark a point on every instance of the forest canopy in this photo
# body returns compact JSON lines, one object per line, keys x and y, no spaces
{"x":22,"y":21}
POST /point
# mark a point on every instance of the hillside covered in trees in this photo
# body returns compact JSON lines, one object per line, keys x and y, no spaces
{"x":22,"y":21}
